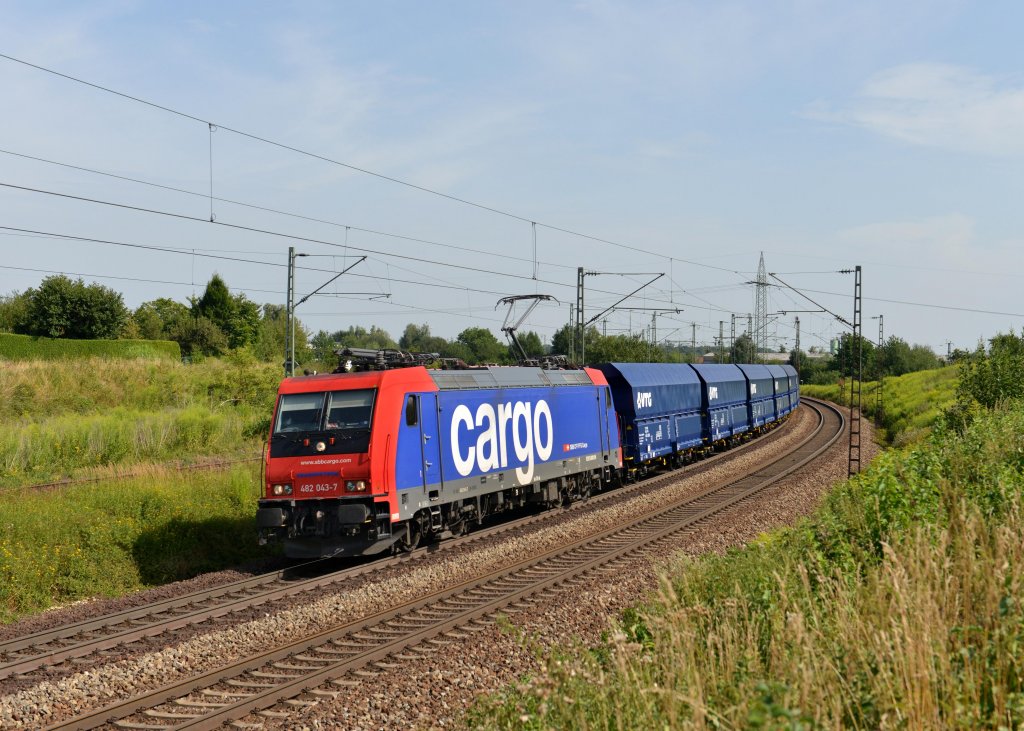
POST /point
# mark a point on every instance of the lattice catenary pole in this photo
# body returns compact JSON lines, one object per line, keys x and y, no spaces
{"x":856,"y":376}
{"x":761,"y":311}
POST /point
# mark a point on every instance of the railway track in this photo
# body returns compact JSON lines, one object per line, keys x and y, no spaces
{"x":197,"y":467}
{"x":315,"y":667}
{"x":23,"y":656}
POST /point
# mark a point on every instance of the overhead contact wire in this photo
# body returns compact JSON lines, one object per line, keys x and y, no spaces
{"x":355,"y":168}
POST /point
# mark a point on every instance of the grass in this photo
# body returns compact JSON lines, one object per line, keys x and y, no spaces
{"x":912,"y":402}
{"x":898,"y":605}
{"x":39,"y":390}
{"x":64,"y":445}
{"x":66,"y":418}
{"x":121,"y":535}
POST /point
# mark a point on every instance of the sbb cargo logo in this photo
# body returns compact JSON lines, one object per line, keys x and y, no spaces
{"x":577,"y":445}
{"x":491,"y":427}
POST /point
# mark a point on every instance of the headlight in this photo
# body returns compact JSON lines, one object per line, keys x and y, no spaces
{"x":282,"y":489}
{"x":356,"y":485}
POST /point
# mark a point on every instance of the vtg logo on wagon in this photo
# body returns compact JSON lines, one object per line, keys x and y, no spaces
{"x":532,"y":437}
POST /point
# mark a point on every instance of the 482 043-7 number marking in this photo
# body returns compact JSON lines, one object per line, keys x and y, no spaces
{"x":319,"y":487}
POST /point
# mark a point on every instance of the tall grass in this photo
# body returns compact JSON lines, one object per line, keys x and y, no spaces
{"x":68,"y":444}
{"x":898,"y":605}
{"x":911,"y":403}
{"x":60,"y":418}
{"x":110,"y":538}
{"x":38,"y":390}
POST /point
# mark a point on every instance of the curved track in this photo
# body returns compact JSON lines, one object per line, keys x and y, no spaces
{"x":22,"y":656}
{"x":300,"y":673}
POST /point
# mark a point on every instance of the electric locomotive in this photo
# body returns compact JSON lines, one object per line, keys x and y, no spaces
{"x":365,"y":462}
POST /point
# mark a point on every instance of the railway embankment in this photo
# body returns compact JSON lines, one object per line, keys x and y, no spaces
{"x":897,"y":603}
{"x":904,"y":408}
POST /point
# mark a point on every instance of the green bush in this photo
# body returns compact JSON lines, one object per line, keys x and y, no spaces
{"x":27,"y":347}
{"x":988,"y":379}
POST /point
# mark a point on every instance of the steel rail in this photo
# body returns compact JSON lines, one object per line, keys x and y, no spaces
{"x":48,"y":648}
{"x":72,"y":481}
{"x":258,"y":682}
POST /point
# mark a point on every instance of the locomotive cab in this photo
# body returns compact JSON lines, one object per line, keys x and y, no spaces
{"x":319,"y":495}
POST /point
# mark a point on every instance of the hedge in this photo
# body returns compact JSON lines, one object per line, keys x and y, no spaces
{"x":27,"y":347}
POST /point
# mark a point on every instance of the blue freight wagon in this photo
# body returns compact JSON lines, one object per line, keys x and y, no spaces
{"x":724,"y":400}
{"x":659,"y":405}
{"x":761,"y":391}
{"x":794,"y":385}
{"x":783,"y":401}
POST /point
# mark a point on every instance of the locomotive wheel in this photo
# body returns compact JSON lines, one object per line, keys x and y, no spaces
{"x":459,"y":528}
{"x":412,"y":539}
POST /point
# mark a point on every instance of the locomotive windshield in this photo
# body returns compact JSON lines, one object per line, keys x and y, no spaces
{"x":344,"y":415}
{"x":300,"y":412}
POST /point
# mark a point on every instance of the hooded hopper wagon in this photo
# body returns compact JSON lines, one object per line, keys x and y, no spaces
{"x":366,"y":462}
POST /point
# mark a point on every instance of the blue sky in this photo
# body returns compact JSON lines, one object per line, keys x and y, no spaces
{"x":824,"y":134}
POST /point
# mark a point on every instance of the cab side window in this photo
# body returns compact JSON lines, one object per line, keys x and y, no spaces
{"x":412,"y":411}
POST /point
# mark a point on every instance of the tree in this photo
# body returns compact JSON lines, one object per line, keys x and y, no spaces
{"x":245,"y":323}
{"x":846,"y":357}
{"x":236,"y":316}
{"x":359,"y":337}
{"x":958,"y":355}
{"x":799,"y":360}
{"x":417,"y":338}
{"x":198,"y":336}
{"x":413,"y":336}
{"x":743,"y":350}
{"x":322,"y":347}
{"x":271,"y":334}
{"x":14,"y":312}
{"x":216,"y":304}
{"x":66,"y":308}
{"x":993,"y":377}
{"x":483,"y":346}
{"x":562,"y":340}
{"x":531,"y":343}
{"x":154,"y":319}
{"x":892,"y":359}
{"x":621,"y":349}
{"x":923,"y":358}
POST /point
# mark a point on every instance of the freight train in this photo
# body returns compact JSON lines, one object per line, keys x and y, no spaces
{"x":384,"y":459}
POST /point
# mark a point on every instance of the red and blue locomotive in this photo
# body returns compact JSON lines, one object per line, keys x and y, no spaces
{"x":364,"y":462}
{"x":359,"y":463}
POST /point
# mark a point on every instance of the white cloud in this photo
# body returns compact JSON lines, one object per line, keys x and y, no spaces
{"x":939,"y":241}
{"x":937,"y":105}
